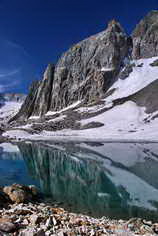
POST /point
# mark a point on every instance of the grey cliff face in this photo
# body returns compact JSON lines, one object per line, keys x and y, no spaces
{"x":145,"y":37}
{"x":88,"y":69}
{"x":38,"y":100}
{"x":28,"y":105}
{"x":84,"y":72}
{"x":43,"y":95}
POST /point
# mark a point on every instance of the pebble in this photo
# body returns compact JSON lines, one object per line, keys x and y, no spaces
{"x":8,"y":227}
{"x":49,"y":222}
{"x":34,"y":219}
{"x":43,"y":219}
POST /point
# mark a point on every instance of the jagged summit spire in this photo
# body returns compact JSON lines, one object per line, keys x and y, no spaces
{"x":145,"y":36}
{"x":113,"y":22}
{"x":115,"y":25}
{"x":153,"y":12}
{"x":83,"y":73}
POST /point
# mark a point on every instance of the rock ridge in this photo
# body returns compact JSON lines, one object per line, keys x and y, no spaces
{"x":88,"y":69}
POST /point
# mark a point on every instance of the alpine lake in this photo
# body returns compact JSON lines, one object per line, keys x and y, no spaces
{"x":117,"y":180}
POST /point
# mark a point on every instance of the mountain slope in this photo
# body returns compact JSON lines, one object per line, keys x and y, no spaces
{"x":103,"y":87}
{"x":145,"y":37}
{"x":10,"y":104}
{"x":84,"y":72}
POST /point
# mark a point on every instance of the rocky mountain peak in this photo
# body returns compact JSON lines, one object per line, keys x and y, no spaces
{"x":115,"y":26}
{"x":48,"y":72}
{"x":88,"y":69}
{"x":145,"y":37}
{"x":84,"y":73}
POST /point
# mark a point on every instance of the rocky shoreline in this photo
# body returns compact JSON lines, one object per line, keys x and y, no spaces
{"x":21,"y":213}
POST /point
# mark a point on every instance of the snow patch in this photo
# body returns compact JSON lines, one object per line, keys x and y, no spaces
{"x":51,"y":113}
{"x":60,"y":118}
{"x":119,"y":117}
{"x":104,"y":69}
{"x":139,"y":78}
{"x":123,"y":122}
{"x":34,"y":117}
{"x":95,"y":108}
{"x":8,"y":147}
{"x":8,"y":110}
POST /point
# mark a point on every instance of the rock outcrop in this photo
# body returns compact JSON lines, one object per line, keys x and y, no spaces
{"x":145,"y":43}
{"x":19,"y":193}
{"x":87,"y":71}
{"x":38,"y":100}
{"x":42,"y":219}
{"x":84,"y":72}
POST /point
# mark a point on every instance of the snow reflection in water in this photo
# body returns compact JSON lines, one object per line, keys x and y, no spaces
{"x":112,"y":179}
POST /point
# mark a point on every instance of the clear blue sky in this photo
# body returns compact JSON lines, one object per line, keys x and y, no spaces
{"x":36,"y":32}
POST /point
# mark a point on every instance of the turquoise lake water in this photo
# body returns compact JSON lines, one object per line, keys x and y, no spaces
{"x":118,"y":180}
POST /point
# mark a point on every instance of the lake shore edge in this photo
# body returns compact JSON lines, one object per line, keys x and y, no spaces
{"x":74,"y":139}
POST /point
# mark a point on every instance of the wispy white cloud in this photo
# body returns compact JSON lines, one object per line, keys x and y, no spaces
{"x":16,"y":67}
{"x":17,"y":46}
{"x":9,"y":73}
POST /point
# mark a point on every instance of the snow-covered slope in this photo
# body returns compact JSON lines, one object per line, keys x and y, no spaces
{"x":10,"y":103}
{"x":121,"y":114}
{"x":8,"y":110}
{"x":103,"y":88}
{"x":142,"y":75}
{"x":116,"y":127}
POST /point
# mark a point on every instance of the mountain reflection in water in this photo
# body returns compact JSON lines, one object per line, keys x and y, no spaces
{"x":112,"y":179}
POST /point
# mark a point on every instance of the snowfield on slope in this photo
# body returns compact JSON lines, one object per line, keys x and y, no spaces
{"x":142,"y":75}
{"x":123,"y":122}
{"x":50,"y":113}
{"x":8,"y":110}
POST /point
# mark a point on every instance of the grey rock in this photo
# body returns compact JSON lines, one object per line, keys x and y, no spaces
{"x":126,"y":71}
{"x":145,"y":37}
{"x":49,"y":222}
{"x":87,"y":70}
{"x":92,"y":125}
{"x":32,"y":232}
{"x":29,"y":104}
{"x":155,"y":63}
{"x":84,"y":72}
{"x":34,"y":219}
{"x":38,"y":101}
{"x":8,"y":227}
{"x":43,"y":95}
